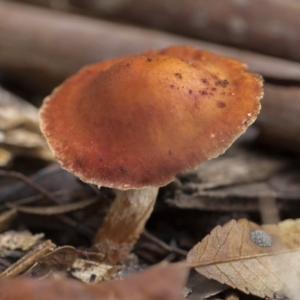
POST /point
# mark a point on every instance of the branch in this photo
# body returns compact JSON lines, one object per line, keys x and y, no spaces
{"x":238,"y":23}
{"x":279,"y":119}
{"x":42,"y":47}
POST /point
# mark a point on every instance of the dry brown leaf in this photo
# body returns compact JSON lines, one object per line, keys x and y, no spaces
{"x":21,"y":141}
{"x":19,"y":129}
{"x":164,"y":282}
{"x":23,"y":138}
{"x":60,"y":259}
{"x":262,"y":260}
{"x":28,"y":260}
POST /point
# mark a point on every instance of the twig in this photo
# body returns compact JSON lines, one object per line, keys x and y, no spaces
{"x":279,"y":118}
{"x":268,"y":209}
{"x":4,"y":262}
{"x":225,"y":22}
{"x":82,"y":229}
{"x":162,"y":244}
{"x":53,"y":210}
{"x":28,"y":200}
{"x":30,"y":183}
{"x":28,"y":260}
{"x":71,"y":43}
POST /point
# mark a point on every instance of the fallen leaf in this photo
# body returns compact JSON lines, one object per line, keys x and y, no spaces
{"x":60,"y":259}
{"x":23,"y":138}
{"x":234,"y":181}
{"x":19,"y":129}
{"x":90,"y":271}
{"x":28,"y":260}
{"x":261,"y":260}
{"x":163,"y":282}
{"x":23,"y":240}
{"x":21,"y":141}
{"x":238,"y":165}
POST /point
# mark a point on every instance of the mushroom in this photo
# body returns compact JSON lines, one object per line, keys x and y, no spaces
{"x":134,"y":122}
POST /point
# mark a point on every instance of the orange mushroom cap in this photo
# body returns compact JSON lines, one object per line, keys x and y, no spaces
{"x":139,"y":120}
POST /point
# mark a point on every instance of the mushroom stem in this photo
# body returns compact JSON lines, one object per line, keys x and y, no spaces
{"x":124,"y":222}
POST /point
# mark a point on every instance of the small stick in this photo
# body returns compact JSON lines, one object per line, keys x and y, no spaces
{"x":53,"y":210}
{"x":225,"y":22}
{"x":4,"y":262}
{"x":163,"y":245}
{"x":28,"y":260}
{"x":268,"y":209}
{"x":279,"y":121}
{"x":27,"y":200}
{"x":57,"y":44}
{"x":25,"y":179}
{"x":84,"y":230}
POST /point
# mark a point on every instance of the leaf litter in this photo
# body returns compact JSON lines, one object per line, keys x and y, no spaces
{"x":261,"y":260}
{"x":90,"y":271}
{"x":24,"y":240}
{"x":19,"y":130}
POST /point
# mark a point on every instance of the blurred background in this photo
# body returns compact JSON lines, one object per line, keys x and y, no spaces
{"x":44,"y":41}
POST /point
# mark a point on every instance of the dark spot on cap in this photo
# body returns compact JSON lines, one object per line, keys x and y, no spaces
{"x":128,"y":65}
{"x":101,"y":158}
{"x":203,"y":92}
{"x":172,"y":86}
{"x":204,"y":80}
{"x":190,"y":92}
{"x":78,"y":160}
{"x":222,"y":83}
{"x":221,"y":104}
{"x":149,"y":59}
{"x":178,"y":75}
{"x":170,"y":152}
{"x":213,"y":89}
{"x":123,"y":169}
